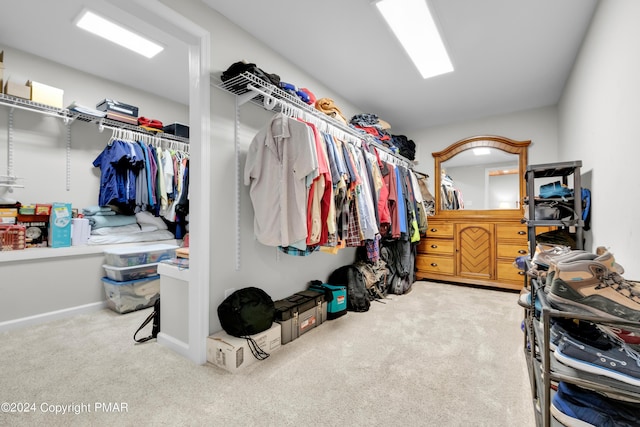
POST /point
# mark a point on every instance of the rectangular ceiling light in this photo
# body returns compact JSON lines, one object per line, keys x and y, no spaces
{"x":413,"y":25}
{"x":113,"y":32}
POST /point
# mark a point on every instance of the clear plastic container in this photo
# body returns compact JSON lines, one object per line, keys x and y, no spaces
{"x":123,"y":274}
{"x":137,"y":255}
{"x":124,"y":297}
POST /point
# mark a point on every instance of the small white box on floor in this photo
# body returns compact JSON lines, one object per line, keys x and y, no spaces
{"x":232,"y":353}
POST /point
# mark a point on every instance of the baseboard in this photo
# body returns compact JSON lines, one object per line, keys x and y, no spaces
{"x":176,"y":345}
{"x":50,"y":316}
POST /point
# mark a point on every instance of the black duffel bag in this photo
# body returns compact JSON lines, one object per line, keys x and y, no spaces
{"x":247,"y":311}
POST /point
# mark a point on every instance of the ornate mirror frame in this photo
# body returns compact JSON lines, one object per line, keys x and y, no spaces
{"x":491,"y":141}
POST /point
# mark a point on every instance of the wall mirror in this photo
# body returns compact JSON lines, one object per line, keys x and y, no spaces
{"x":481,"y":173}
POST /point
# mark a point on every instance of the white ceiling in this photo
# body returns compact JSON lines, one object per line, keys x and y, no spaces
{"x":508,"y":55}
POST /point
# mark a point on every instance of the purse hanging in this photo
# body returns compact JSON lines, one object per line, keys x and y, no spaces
{"x":153,"y":317}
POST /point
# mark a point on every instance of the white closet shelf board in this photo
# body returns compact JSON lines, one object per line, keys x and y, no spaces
{"x":43,"y":253}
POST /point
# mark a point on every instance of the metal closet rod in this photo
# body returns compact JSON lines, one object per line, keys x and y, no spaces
{"x":270,"y":101}
{"x":124,"y":133}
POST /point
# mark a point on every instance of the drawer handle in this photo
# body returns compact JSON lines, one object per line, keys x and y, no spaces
{"x":434,"y":246}
{"x":521,"y":273}
{"x":522,"y":233}
{"x":433,"y":264}
{"x":433,"y":230}
{"x":522,"y":251}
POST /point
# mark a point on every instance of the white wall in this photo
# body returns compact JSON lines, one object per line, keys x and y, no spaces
{"x":40,"y":141}
{"x":599,"y":124}
{"x":278,"y":274}
{"x":35,"y":287}
{"x":539,"y":125}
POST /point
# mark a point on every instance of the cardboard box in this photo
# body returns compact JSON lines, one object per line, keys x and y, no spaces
{"x":8,"y":212}
{"x":11,"y":237}
{"x":60,"y":225}
{"x":18,"y":90}
{"x":8,"y":220}
{"x":122,"y":118}
{"x":43,"y":209}
{"x":36,"y":230}
{"x":27,"y":210}
{"x":47,"y":95}
{"x":233,"y":354}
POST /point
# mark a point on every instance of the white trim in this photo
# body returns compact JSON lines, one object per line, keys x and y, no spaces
{"x":174,"y":344}
{"x":51,"y":316}
{"x":71,"y":251}
{"x":198,"y":41}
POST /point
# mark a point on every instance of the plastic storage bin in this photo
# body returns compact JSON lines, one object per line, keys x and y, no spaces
{"x":136,"y":255}
{"x":124,"y":297}
{"x":122,"y":274}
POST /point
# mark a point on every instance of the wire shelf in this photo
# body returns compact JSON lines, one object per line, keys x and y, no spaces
{"x":250,"y":88}
{"x":69,"y":116}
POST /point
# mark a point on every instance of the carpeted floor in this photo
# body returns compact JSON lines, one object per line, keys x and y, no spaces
{"x":442,"y":355}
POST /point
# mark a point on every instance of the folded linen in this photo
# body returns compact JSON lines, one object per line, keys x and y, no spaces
{"x":147,"y":218}
{"x":92,"y":210}
{"x":123,"y":229}
{"x":98,"y":221}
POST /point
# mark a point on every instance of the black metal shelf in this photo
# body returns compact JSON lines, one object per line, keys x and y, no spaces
{"x":549,"y":170}
{"x":544,"y":368}
{"x":562,"y":170}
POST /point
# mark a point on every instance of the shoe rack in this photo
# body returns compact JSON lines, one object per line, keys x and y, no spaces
{"x":545,"y":370}
{"x":563,"y":171}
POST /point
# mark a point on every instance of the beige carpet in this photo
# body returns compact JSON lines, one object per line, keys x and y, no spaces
{"x":442,"y":355}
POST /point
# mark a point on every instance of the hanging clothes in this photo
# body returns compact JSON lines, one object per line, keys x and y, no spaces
{"x":278,"y":161}
{"x":134,"y":180}
{"x":310,"y":189}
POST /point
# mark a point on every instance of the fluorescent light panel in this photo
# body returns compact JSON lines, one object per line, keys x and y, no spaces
{"x":113,"y":32}
{"x":413,"y":25}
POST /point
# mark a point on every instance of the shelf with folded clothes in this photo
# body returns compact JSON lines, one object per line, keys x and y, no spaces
{"x":104,"y":123}
{"x":250,"y":88}
{"x":69,"y":116}
{"x":546,"y":369}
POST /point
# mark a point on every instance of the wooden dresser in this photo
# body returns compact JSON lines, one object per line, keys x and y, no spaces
{"x":477,"y":245}
{"x":476,"y":251}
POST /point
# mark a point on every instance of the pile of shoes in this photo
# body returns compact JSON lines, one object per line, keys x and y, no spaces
{"x":585,"y":283}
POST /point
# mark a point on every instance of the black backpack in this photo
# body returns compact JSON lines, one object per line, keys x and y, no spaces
{"x":246,"y":312}
{"x":358,"y":297}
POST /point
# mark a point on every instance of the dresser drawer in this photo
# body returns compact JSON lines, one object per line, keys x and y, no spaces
{"x":511,"y":232}
{"x":440,"y":230}
{"x":509,"y":273}
{"x":512,"y":250}
{"x":436,"y":246}
{"x":434,"y":264}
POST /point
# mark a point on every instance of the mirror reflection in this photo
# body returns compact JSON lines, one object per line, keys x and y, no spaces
{"x":479,"y":179}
